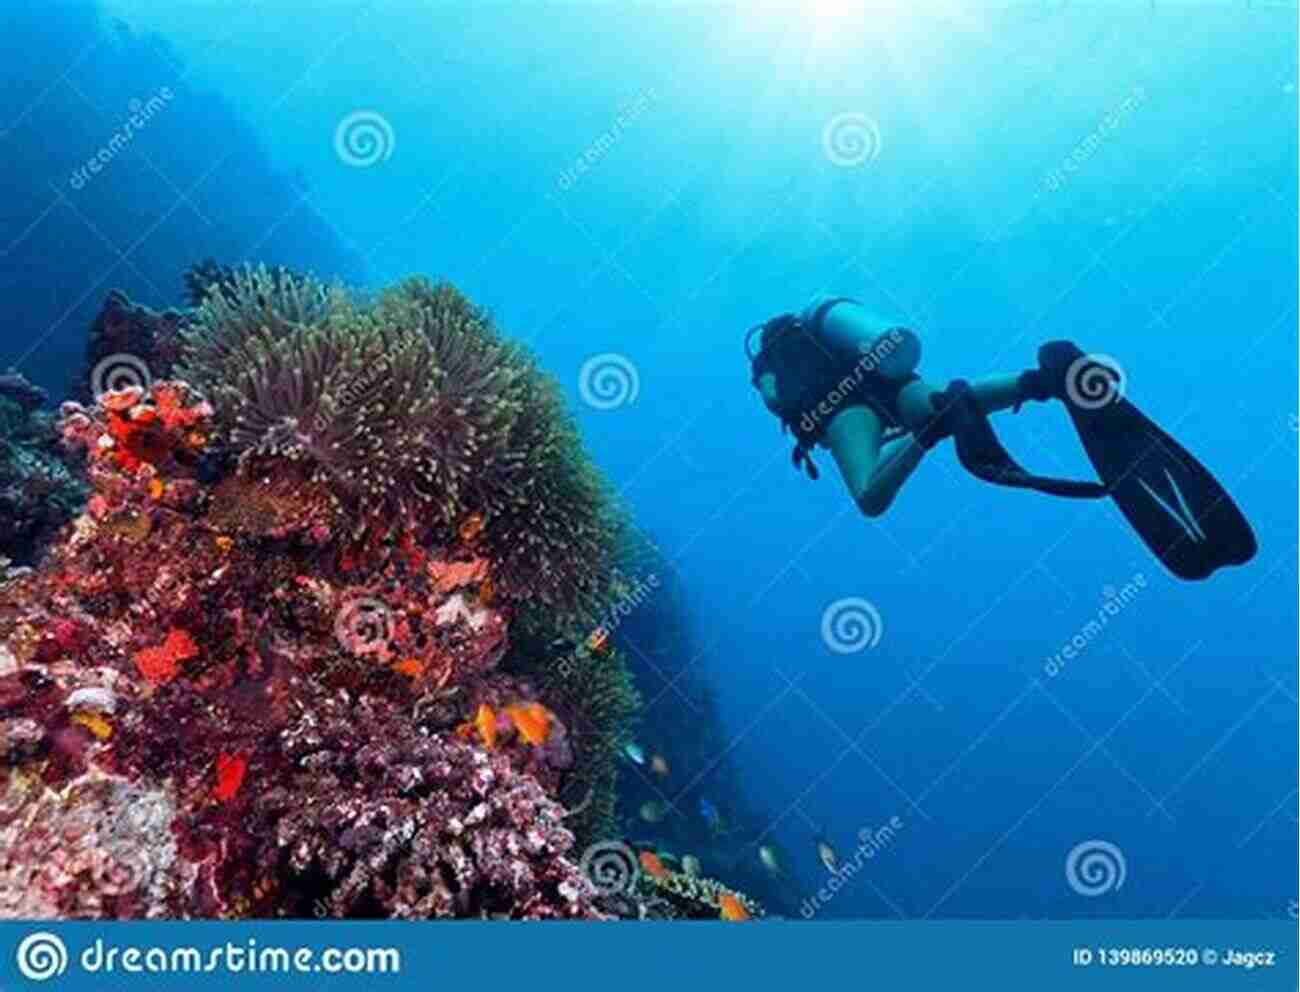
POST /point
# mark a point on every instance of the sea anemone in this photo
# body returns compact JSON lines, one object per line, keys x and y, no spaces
{"x":410,"y":405}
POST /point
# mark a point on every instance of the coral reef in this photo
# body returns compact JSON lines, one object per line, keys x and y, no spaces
{"x":292,"y":696}
{"x":39,"y":485}
{"x":331,"y":634}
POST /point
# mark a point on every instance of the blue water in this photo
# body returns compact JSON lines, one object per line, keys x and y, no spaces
{"x":1124,"y":175}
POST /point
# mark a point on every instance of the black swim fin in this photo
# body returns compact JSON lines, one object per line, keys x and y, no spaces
{"x":959,"y":415}
{"x":1175,"y":505}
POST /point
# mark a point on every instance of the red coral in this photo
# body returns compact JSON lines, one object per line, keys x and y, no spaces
{"x":450,"y":575}
{"x":230,"y":776}
{"x":162,"y":663}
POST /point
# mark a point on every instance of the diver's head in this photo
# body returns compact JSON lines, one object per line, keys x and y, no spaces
{"x":770,"y":335}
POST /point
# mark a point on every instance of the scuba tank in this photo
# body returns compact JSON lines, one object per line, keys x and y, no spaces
{"x":810,"y":360}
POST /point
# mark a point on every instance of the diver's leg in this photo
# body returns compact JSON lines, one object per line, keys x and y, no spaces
{"x":853,"y":437}
{"x":995,"y":393}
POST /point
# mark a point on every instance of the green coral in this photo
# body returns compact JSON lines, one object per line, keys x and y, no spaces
{"x":410,"y":403}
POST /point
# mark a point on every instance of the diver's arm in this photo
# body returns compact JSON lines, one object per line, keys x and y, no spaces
{"x":897,"y":463}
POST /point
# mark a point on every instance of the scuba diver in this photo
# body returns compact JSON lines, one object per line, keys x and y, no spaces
{"x":843,"y":377}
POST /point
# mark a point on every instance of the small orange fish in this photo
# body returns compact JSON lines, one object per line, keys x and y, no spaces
{"x":157,"y":488}
{"x":487,"y":592}
{"x":532,"y":720}
{"x":410,"y":667}
{"x":485,"y":722}
{"x":195,"y":440}
{"x":731,"y":908}
{"x":230,"y":775}
{"x":225,"y":543}
{"x":599,"y":641}
{"x":652,"y":865}
{"x":471,"y":527}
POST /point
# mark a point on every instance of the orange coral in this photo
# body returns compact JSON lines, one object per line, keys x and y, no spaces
{"x":162,"y":663}
{"x":169,"y":398}
{"x":95,"y":723}
{"x":230,"y":776}
{"x":449,"y":575}
{"x":532,"y":720}
{"x":410,"y":667}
